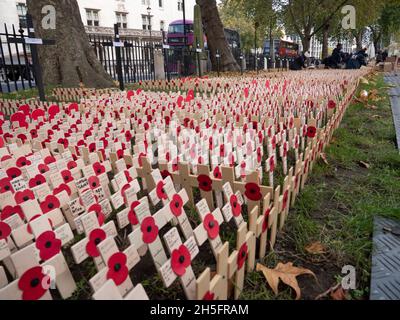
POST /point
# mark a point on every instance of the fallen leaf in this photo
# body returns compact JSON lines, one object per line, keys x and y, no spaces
{"x":323,"y":157}
{"x":315,"y":248}
{"x":285,"y":272}
{"x":363,"y":80}
{"x":339,"y":294}
{"x":364,"y":164}
{"x":376,"y":116}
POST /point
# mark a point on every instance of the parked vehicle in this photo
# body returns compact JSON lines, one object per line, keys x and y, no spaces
{"x":283,"y":49}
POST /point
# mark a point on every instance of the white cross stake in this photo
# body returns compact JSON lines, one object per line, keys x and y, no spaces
{"x":233,"y":207}
{"x":209,"y":229}
{"x":176,"y":206}
{"x":147,"y":234}
{"x":88,"y":247}
{"x":179,"y":265}
{"x":118,"y":264}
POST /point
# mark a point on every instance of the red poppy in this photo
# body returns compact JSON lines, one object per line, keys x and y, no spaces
{"x":132,"y":214}
{"x":50,"y":203}
{"x":253,"y":192}
{"x":242,"y":256}
{"x":5,"y":185}
{"x":37,"y":181}
{"x":23,"y":196}
{"x":49,"y":159}
{"x":31,"y":284}
{"x":180,"y":260}
{"x":271,"y":164}
{"x":285,"y":199}
{"x":99,"y":212}
{"x":22,"y":162}
{"x":161,"y":194}
{"x":94,"y":182}
{"x":211,"y":225}
{"x":128,"y":176}
{"x":209,"y":296}
{"x":217,"y":173}
{"x":117,"y":269}
{"x":13,"y":172}
{"x":149,"y":230}
{"x":43,"y":168}
{"x":71,"y":165}
{"x":48,"y":245}
{"x":311,"y":131}
{"x":5,"y":230}
{"x":8,"y":211}
{"x":98,"y":168}
{"x":120,"y":154}
{"x":205,"y":183}
{"x":331,"y":104}
{"x":95,"y":237}
{"x":176,"y":205}
{"x":235,"y":205}
{"x":265,"y":222}
{"x":62,"y":187}
{"x":67,"y":176}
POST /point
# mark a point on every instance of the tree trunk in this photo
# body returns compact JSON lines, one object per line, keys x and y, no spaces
{"x":72,"y":60}
{"x":271,"y":44}
{"x":216,"y":36}
{"x":325,"y":42}
{"x":306,"y":42}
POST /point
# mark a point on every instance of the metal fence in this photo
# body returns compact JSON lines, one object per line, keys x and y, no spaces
{"x":16,"y":69}
{"x":137,"y":57}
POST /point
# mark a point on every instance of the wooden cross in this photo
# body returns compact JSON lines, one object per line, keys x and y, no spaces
{"x":95,"y":234}
{"x":33,"y":280}
{"x":148,"y":233}
{"x":179,"y":265}
{"x":209,"y":228}
{"x":217,"y":287}
{"x":117,"y":266}
{"x":109,"y":291}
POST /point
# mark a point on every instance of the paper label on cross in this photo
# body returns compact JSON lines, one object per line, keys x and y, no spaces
{"x":176,"y":209}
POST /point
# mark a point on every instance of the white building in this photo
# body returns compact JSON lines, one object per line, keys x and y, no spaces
{"x":135,"y":17}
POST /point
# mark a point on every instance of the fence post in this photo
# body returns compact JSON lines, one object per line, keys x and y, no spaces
{"x":218,"y":56}
{"x":118,"y":56}
{"x":241,"y":63}
{"x":198,"y":50}
{"x":165,"y":56}
{"x":35,"y":60}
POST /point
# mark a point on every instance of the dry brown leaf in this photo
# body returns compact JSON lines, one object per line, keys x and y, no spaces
{"x":339,"y":294}
{"x":363,"y":80}
{"x":324,"y":159}
{"x":285,"y":272}
{"x":315,"y":248}
{"x":376,"y":116}
{"x":364,"y":164}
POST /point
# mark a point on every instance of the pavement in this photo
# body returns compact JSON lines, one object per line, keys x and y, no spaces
{"x":393,"y":79}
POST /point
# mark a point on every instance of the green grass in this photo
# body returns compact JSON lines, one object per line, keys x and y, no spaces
{"x":341,"y":199}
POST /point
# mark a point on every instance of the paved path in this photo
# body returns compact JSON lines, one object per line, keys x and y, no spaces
{"x":394,"y":79}
{"x":385,"y":273}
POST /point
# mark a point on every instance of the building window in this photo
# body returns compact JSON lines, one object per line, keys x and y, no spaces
{"x":21,"y":9}
{"x":180,"y":5}
{"x":92,"y":16}
{"x":146,"y":2}
{"x":162,"y":25}
{"x":161,"y":3}
{"x":122,"y":20}
{"x":146,"y":22}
